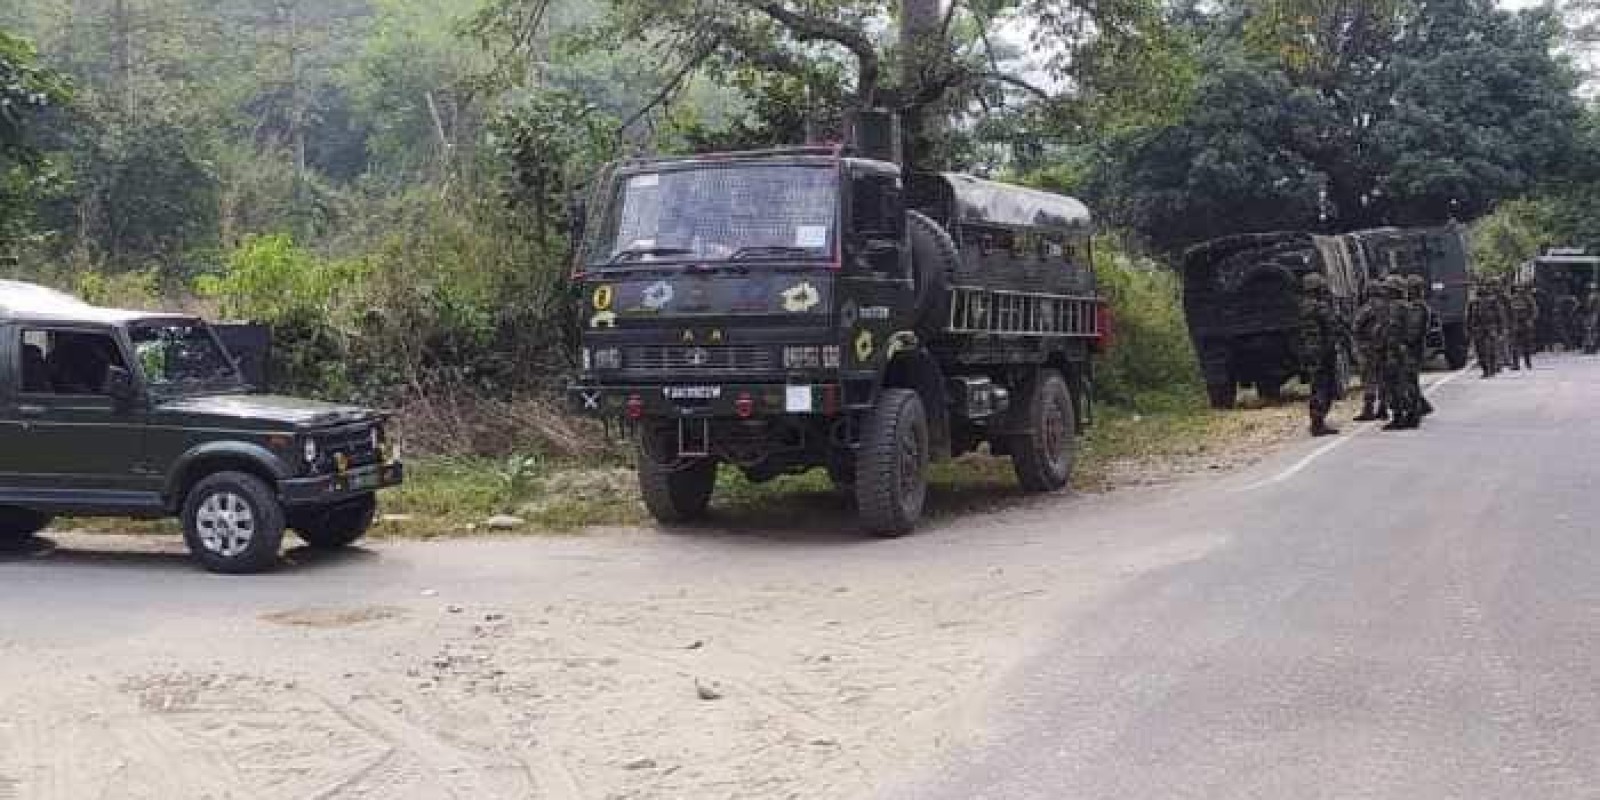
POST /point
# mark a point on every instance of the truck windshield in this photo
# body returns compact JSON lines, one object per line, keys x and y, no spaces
{"x":183,"y":357}
{"x":723,"y":213}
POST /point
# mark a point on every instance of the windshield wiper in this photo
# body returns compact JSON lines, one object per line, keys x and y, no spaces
{"x":632,"y":253}
{"x":769,"y":251}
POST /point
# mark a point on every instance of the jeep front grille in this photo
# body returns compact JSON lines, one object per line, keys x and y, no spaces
{"x":700,"y":360}
{"x":354,"y":443}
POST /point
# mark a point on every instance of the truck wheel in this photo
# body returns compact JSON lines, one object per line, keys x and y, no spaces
{"x":17,"y":525}
{"x":1455,"y":346}
{"x":1043,"y":459}
{"x":934,"y":258}
{"x":892,"y":466}
{"x":1270,"y":390}
{"x":339,"y":526}
{"x":233,"y":524}
{"x":1223,"y":396}
{"x":676,"y":494}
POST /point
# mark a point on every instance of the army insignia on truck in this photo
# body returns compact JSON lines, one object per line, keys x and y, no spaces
{"x":603,"y":297}
{"x":604,"y":319}
{"x":865,"y":346}
{"x":657,"y":295}
{"x":800,"y":299}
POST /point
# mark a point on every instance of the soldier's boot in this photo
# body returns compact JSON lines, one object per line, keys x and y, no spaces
{"x":1402,"y":422}
{"x":1320,"y":427}
{"x":1368,"y":410}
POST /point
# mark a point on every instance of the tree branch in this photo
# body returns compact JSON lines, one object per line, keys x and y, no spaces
{"x":807,"y":28}
{"x":672,"y":85}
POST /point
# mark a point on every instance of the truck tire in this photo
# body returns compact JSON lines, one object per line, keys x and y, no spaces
{"x":1223,"y":396}
{"x":339,"y":526}
{"x":676,"y":494}
{"x":233,"y":524}
{"x":17,"y":525}
{"x":892,"y":465}
{"x":934,"y":258}
{"x":1455,"y":346}
{"x":1270,"y":390}
{"x":1043,"y":458}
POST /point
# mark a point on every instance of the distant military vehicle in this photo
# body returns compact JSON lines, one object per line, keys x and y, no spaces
{"x":822,"y":307}
{"x":1242,"y":294}
{"x":1560,"y":271}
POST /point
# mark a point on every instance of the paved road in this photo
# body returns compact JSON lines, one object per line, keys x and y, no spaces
{"x":1401,"y":616}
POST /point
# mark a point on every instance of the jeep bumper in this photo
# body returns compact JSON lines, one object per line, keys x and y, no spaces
{"x":323,"y":490}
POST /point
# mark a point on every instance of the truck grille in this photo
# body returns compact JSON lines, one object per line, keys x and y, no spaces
{"x":698,"y":359}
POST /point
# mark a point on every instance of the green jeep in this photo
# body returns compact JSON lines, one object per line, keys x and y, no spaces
{"x":131,"y":414}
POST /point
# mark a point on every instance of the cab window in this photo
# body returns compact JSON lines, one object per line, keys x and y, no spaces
{"x":67,"y":362}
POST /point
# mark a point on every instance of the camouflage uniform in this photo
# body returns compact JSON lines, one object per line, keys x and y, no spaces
{"x":1370,"y":328}
{"x":1525,"y":325}
{"x":1322,"y":333}
{"x":1481,"y":314}
{"x":1419,"y":318}
{"x":1507,"y":327}
{"x":1566,"y":325}
{"x":1397,"y":357}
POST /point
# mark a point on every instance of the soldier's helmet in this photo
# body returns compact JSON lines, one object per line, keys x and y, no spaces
{"x":1314,"y":284}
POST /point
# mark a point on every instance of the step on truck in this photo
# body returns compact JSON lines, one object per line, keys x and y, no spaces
{"x":823,"y":308}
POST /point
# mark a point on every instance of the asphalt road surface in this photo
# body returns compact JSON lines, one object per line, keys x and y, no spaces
{"x":1411,"y":615}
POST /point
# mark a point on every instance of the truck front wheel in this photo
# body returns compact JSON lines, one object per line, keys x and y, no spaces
{"x":339,"y":526}
{"x":892,"y":465}
{"x":1043,"y":458}
{"x":677,"y":493}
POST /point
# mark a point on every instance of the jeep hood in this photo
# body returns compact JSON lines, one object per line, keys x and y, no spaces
{"x":268,"y":410}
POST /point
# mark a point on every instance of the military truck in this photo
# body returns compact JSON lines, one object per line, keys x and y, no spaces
{"x":1558,"y":272}
{"x":105,"y":412}
{"x":1241,"y":297}
{"x":824,"y":308}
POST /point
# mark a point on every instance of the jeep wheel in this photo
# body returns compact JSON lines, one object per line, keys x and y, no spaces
{"x":892,"y":466}
{"x":1044,"y":457}
{"x":233,"y":524}
{"x":677,"y":493}
{"x":339,"y":526}
{"x":17,"y":525}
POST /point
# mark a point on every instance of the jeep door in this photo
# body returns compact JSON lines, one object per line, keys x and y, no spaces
{"x":11,"y":454}
{"x":77,"y":443}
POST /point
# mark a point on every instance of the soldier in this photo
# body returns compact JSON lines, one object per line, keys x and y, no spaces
{"x":1322,"y":333}
{"x":1397,"y":359}
{"x":1566,"y":322}
{"x":1524,"y":324}
{"x":1481,"y":326}
{"x":1591,"y":321}
{"x":1507,"y":322}
{"x":1419,"y":319}
{"x":1370,"y":326}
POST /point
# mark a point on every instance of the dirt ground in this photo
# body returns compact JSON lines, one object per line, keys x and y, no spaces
{"x":794,"y":661}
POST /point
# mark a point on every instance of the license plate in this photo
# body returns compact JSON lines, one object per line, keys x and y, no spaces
{"x":368,"y":481}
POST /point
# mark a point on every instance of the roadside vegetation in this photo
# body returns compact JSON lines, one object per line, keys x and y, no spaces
{"x":386,"y":183}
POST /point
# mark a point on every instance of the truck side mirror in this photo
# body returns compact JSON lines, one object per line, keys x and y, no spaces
{"x":120,"y":386}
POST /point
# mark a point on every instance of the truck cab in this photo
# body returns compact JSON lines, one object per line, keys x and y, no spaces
{"x":785,"y":310}
{"x":106,"y":412}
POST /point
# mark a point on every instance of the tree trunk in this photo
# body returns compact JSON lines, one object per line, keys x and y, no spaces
{"x":921,"y":53}
{"x":122,"y":58}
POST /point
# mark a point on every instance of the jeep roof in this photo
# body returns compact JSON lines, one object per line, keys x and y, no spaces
{"x":26,"y":301}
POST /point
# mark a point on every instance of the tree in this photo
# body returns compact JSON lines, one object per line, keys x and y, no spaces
{"x":27,"y":92}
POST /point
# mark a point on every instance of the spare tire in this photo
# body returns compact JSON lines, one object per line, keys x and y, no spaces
{"x":934,"y":260}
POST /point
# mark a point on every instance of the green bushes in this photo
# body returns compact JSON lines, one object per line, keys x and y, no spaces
{"x":1151,"y":365}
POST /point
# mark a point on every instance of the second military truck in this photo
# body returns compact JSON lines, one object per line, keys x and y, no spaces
{"x":815,"y":307}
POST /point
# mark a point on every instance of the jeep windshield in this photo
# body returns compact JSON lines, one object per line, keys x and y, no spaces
{"x":183,"y":357}
{"x":741,"y":213}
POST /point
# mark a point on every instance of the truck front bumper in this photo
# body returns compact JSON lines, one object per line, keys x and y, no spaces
{"x":708,"y":400}
{"x":324,"y":490}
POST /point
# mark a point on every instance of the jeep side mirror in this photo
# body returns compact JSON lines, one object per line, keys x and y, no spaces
{"x":120,"y":386}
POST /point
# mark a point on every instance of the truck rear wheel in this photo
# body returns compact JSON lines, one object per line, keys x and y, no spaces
{"x":1043,"y":458}
{"x":892,"y":466}
{"x":677,"y":493}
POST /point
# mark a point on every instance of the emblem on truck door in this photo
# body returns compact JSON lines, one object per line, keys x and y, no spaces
{"x":865,"y":346}
{"x":800,"y":299}
{"x":657,"y":295}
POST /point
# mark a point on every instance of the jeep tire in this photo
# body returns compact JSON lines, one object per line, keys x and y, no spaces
{"x":17,"y":525}
{"x":337,"y":526}
{"x":1044,"y":456}
{"x":892,"y":465}
{"x":677,"y":493}
{"x":233,"y":523}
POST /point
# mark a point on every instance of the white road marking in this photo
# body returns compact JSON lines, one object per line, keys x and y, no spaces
{"x":1299,"y":466}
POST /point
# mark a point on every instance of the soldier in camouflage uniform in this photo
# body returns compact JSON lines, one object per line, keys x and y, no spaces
{"x":1481,"y":314}
{"x":1419,"y":319}
{"x":1524,"y":324}
{"x":1322,"y":333}
{"x":1370,"y":326}
{"x":1567,"y":322}
{"x":1397,"y":349}
{"x":1591,"y":321}
{"x":1507,"y":326}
